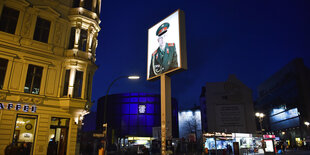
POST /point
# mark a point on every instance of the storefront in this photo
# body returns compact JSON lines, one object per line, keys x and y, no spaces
{"x":218,"y":141}
{"x":131,"y":141}
{"x":242,"y":142}
{"x":39,"y":129}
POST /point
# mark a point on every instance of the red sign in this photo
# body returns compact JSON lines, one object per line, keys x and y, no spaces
{"x":269,"y":136}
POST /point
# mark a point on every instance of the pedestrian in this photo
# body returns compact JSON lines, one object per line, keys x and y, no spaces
{"x":229,"y":149}
{"x":284,"y":147}
{"x":11,"y":149}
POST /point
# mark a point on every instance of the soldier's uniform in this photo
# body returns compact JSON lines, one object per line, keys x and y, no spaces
{"x":163,"y":60}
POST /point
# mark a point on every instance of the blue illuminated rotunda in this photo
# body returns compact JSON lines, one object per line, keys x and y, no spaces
{"x":134,"y":114}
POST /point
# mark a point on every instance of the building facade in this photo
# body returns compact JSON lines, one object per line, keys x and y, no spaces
{"x":284,"y":99}
{"x":47,"y":62}
{"x":228,"y":107}
{"x":133,"y":114}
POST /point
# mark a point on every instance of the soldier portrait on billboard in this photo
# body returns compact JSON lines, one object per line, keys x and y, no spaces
{"x":164,"y":58}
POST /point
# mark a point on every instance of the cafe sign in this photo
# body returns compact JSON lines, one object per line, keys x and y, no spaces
{"x":18,"y":107}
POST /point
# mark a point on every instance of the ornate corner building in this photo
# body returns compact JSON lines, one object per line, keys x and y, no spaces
{"x":47,"y":63}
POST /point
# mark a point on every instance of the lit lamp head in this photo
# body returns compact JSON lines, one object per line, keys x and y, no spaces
{"x":260,"y":115}
{"x":257,"y":114}
{"x":307,"y":123}
{"x":133,"y":77}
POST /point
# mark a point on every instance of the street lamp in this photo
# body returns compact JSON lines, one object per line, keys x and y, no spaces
{"x":307,"y":123}
{"x":106,"y":96}
{"x":134,"y":77}
{"x":260,"y":118}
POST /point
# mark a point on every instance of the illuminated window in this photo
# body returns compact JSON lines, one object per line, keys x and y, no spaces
{"x":3,"y":66}
{"x":83,"y":40}
{"x":25,"y":127}
{"x":72,"y":38}
{"x":42,"y":30}
{"x":8,"y":20}
{"x":78,"y":81}
{"x":66,"y":83}
{"x":33,"y":80}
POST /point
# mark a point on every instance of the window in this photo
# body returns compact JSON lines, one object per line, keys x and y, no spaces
{"x":42,"y":30}
{"x":83,"y":40}
{"x":75,"y":3}
{"x":33,"y":79}
{"x":88,"y":86}
{"x":88,"y":4}
{"x":97,"y":8}
{"x":93,"y":46}
{"x":58,"y":136}
{"x":3,"y":66}
{"x":25,"y":127}
{"x":78,"y":81}
{"x":8,"y":20}
{"x":72,"y":38}
{"x":66,"y":83}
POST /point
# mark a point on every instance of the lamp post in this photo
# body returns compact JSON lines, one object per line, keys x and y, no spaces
{"x":260,"y":119}
{"x":106,"y":98}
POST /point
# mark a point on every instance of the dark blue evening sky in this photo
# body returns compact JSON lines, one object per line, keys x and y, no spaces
{"x":251,"y":39}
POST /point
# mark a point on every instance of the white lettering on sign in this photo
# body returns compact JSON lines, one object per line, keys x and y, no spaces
{"x":18,"y":107}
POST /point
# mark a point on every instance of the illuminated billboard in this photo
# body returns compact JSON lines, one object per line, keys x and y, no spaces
{"x":167,"y":46}
{"x":284,"y":115}
{"x":284,"y":119}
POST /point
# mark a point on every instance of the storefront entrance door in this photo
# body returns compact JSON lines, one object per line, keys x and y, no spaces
{"x":58,"y":136}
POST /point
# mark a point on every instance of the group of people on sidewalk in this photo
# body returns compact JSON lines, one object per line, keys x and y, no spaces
{"x":18,"y":149}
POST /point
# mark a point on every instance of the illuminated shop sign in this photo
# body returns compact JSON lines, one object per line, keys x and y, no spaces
{"x":269,"y":136}
{"x":269,"y":146}
{"x":242,"y":135}
{"x":218,"y":134}
{"x":18,"y":107}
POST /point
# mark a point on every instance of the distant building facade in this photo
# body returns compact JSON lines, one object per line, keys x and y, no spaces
{"x":47,"y":63}
{"x":284,"y":98}
{"x":228,"y":107}
{"x":133,"y":114}
{"x":203,"y":109}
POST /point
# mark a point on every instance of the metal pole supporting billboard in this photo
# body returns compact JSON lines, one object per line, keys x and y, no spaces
{"x":166,"y":120}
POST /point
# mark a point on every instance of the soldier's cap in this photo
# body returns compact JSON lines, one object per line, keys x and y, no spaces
{"x":162,"y":29}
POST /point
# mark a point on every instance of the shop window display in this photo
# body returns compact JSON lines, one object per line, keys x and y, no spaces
{"x":25,"y":127}
{"x":220,"y":143}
